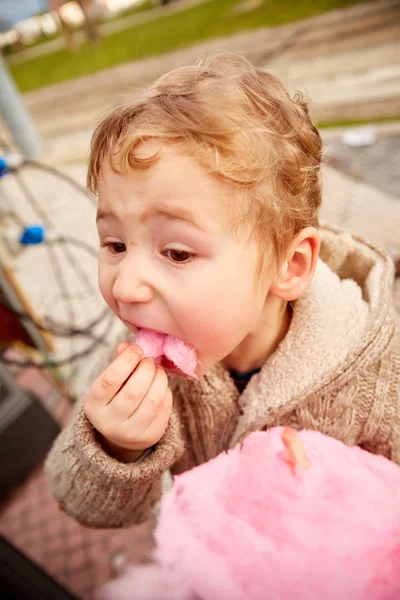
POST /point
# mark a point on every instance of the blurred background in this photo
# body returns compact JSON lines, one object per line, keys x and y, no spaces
{"x":62,"y":64}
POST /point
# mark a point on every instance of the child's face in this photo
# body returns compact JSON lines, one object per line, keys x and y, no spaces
{"x":170,"y":260}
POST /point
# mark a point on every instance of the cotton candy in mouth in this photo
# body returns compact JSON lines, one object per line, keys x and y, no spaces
{"x":161,"y":346}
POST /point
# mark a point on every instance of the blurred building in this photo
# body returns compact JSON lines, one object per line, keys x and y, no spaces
{"x":24,"y":24}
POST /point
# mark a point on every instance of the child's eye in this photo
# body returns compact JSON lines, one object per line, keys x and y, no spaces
{"x":115,"y":247}
{"x":178,"y":256}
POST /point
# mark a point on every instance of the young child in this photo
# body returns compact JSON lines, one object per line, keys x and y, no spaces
{"x":208,"y":191}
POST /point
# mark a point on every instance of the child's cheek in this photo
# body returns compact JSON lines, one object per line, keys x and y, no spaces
{"x":105,"y":283}
{"x":212,"y":345}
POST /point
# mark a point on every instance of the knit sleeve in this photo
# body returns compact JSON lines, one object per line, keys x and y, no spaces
{"x":382,"y":432}
{"x":98,"y":490}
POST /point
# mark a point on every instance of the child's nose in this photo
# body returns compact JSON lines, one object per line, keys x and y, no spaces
{"x":129,"y":287}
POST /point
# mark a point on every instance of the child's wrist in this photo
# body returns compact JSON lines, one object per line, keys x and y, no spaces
{"x":121,"y":454}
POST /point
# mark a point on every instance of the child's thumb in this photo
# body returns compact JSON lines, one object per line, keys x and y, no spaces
{"x":121,"y":347}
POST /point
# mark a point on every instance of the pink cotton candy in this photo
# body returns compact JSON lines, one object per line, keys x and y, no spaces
{"x":158,"y":345}
{"x":251,"y":525}
{"x":151,"y":342}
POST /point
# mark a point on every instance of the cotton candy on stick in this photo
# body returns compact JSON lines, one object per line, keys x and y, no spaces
{"x":287,"y":516}
{"x":158,"y":345}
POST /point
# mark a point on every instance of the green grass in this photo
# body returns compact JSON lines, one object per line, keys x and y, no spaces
{"x":173,"y":31}
{"x":356,"y":122}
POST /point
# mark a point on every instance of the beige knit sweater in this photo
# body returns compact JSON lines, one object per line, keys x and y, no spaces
{"x":336,"y":371}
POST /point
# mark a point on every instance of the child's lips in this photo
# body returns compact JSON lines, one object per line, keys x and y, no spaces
{"x":169,"y":351}
{"x":166,"y":363}
{"x":136,"y":328}
{"x":171,"y":367}
{"x":130,"y":326}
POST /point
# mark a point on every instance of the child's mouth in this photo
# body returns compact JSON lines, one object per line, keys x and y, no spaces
{"x":166,"y":363}
{"x":168,"y":351}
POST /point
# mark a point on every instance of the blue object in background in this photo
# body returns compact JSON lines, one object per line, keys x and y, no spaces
{"x":13,"y":11}
{"x":3,"y":166}
{"x":33,"y":234}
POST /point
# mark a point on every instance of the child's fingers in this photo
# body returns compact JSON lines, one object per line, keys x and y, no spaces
{"x":113,"y":377}
{"x":135,"y":389}
{"x":121,"y":347}
{"x":155,"y":427}
{"x":144,"y":414}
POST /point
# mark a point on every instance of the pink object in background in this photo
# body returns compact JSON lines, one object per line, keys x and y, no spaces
{"x":289,"y":516}
{"x":158,"y":345}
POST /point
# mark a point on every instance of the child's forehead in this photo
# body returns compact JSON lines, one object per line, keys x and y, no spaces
{"x":175,"y":178}
{"x":134,"y":201}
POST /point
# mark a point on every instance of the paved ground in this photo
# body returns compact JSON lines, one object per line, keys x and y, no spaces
{"x":377,"y":164}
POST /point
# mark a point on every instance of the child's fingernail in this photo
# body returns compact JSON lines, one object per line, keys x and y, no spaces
{"x":137,"y":349}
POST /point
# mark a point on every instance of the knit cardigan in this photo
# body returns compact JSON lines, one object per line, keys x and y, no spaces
{"x":336,"y":371}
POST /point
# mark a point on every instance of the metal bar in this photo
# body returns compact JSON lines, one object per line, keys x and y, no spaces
{"x":16,"y":115}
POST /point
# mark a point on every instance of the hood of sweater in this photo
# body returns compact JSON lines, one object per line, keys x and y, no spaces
{"x":341,"y":323}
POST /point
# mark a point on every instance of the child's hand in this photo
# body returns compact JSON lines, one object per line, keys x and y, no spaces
{"x":129,"y":404}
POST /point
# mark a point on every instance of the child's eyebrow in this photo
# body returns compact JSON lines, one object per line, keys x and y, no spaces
{"x":168,"y":212}
{"x":104,"y":214}
{"x":178,"y":214}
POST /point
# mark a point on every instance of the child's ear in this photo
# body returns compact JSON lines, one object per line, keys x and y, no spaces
{"x":298,"y":267}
